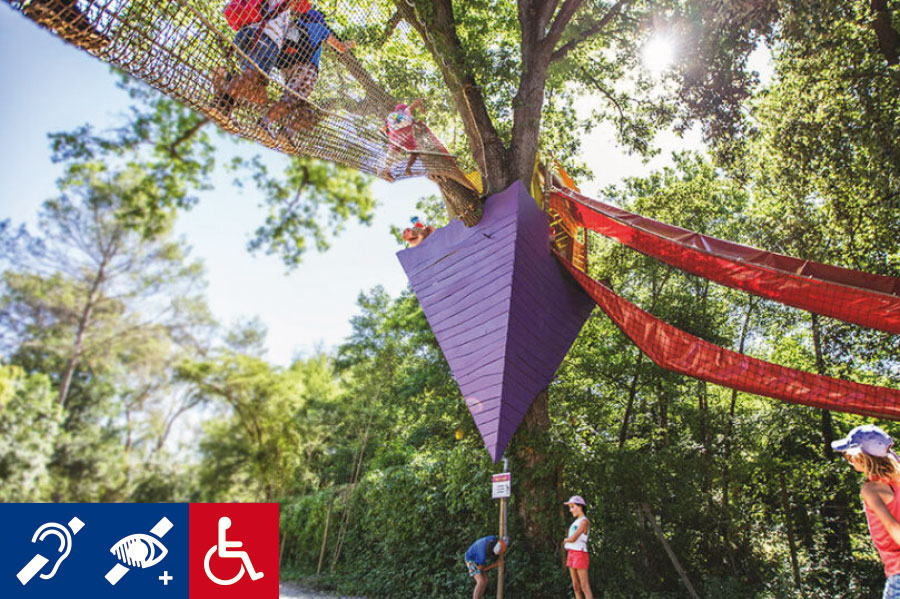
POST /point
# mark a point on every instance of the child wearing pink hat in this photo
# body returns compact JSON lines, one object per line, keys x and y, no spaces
{"x":400,"y":128}
{"x":868,"y":449}
{"x":576,"y":548}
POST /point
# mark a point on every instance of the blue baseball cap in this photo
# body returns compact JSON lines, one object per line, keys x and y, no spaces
{"x":867,"y":438}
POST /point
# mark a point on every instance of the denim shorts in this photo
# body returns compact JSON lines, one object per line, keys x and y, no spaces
{"x":892,"y":588}
{"x":264,"y":52}
{"x":472,"y":567}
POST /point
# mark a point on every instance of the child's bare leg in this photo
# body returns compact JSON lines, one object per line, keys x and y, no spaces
{"x":412,"y":159}
{"x":480,"y":585}
{"x":576,"y":584}
{"x":246,"y":85}
{"x":585,"y":584}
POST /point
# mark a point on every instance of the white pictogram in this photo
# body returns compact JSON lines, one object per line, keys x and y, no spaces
{"x":224,"y":550}
{"x":139,"y":551}
{"x":65,"y":546}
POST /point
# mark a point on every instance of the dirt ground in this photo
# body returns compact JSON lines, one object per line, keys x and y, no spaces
{"x":292,"y":590}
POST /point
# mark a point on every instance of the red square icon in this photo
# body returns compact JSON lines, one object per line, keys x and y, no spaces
{"x":233,"y":550}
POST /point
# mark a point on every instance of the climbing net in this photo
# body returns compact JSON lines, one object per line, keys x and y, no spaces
{"x":247,"y":65}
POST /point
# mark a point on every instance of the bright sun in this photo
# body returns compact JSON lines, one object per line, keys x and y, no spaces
{"x":659,"y":53}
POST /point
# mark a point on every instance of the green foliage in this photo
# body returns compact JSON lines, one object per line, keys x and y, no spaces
{"x":168,"y":154}
{"x":29,"y":421}
{"x":269,"y":424}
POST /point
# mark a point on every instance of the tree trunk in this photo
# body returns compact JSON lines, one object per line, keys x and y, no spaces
{"x":78,"y":345}
{"x":529,"y":100}
{"x":437,"y":28}
{"x":726,"y":525}
{"x":792,"y":545}
{"x":835,"y":511}
{"x":629,"y":407}
{"x":459,"y":200}
{"x":538,"y":497}
{"x":888,"y":37}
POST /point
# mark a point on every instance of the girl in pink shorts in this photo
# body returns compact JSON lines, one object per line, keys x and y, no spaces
{"x":576,"y":549}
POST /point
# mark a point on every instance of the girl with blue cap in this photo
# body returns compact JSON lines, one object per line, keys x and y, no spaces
{"x":868,"y":449}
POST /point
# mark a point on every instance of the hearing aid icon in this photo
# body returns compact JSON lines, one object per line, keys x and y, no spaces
{"x":37,"y":563}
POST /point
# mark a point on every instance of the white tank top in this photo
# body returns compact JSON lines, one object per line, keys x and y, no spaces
{"x":580,"y":543}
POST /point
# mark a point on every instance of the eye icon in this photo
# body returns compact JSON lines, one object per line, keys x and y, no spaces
{"x":139,"y":551}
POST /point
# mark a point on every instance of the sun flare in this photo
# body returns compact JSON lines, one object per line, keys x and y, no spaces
{"x":658,"y":54}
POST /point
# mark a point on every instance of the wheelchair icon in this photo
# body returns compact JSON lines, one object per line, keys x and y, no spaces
{"x":224,"y":550}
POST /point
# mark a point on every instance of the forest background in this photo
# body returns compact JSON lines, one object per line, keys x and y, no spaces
{"x":109,"y":349}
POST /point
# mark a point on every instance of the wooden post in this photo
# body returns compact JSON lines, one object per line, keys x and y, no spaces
{"x":501,"y":569}
{"x":662,"y":539}
{"x":324,"y":538}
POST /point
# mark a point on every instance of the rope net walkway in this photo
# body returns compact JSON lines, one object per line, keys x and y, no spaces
{"x":274,"y":71}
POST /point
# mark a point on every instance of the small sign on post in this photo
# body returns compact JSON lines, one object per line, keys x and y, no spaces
{"x":501,"y":485}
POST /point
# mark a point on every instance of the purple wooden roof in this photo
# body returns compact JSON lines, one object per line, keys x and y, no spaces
{"x":502,"y":309}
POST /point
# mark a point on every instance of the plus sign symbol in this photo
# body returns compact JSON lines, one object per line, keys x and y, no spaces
{"x":165,"y":578}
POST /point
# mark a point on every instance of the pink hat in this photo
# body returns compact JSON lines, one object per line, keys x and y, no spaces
{"x":576,"y":499}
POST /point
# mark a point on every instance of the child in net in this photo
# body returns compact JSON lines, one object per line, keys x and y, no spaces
{"x":299,"y":64}
{"x":260,"y":41}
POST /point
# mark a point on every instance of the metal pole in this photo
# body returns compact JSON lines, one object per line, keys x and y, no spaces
{"x":501,"y":569}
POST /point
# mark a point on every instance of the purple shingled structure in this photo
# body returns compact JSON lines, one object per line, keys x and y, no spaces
{"x":504,"y":312}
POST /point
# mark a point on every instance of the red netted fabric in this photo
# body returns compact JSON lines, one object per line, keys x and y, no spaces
{"x":861,"y":298}
{"x":675,"y":350}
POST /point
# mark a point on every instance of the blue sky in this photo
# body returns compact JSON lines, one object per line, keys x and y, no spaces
{"x":50,"y":86}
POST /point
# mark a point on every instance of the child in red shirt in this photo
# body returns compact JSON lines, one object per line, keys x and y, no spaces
{"x":868,"y":449}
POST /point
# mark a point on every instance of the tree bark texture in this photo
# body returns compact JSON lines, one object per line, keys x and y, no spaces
{"x":83,"y":323}
{"x":436,"y":26}
{"x":888,"y":37}
{"x":537,"y":499}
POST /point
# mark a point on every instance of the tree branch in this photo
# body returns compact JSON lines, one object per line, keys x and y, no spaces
{"x":605,"y":92}
{"x":590,"y":32}
{"x":568,"y":10}
{"x":172,"y":148}
{"x":391,"y":26}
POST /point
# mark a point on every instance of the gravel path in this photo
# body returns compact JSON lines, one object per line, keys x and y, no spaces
{"x":292,"y":590}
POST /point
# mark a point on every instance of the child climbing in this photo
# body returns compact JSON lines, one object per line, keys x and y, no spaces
{"x":299,"y":64}
{"x":417,"y":233}
{"x":400,"y":128}
{"x":477,"y":559}
{"x":868,"y":449}
{"x":261,"y":30}
{"x":577,"y":559}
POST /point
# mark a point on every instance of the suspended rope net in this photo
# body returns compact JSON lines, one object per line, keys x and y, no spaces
{"x":279,"y":72}
{"x":678,"y":351}
{"x":861,"y":298}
